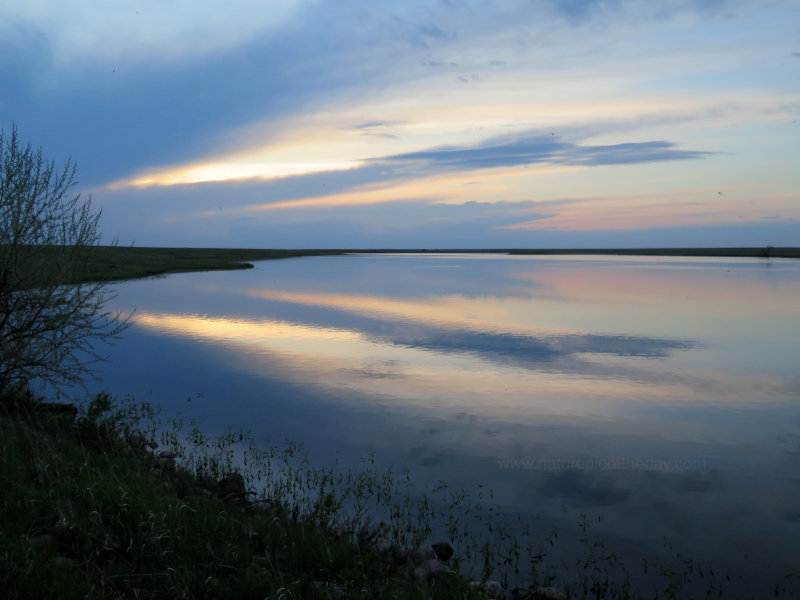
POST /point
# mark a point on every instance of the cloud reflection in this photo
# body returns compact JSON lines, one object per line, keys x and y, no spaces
{"x":431,"y":352}
{"x":451,"y":324}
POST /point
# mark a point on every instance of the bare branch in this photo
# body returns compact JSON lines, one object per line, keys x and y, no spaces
{"x":50,"y":330}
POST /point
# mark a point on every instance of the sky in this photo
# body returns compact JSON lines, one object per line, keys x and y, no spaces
{"x":417,"y":124}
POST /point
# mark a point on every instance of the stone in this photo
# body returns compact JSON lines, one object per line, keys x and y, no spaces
{"x":263,"y":506}
{"x":390,"y":553}
{"x":548,"y":593}
{"x":167,"y":454}
{"x":232,"y":487}
{"x":519,"y":593}
{"x":443,"y":550}
{"x":430,"y":570}
{"x":492,"y":590}
{"x":381,"y":545}
{"x":421,"y":554}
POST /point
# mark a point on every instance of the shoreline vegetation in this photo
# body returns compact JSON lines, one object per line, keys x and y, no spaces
{"x":116,"y":263}
{"x":93,"y":507}
{"x":104,"y":500}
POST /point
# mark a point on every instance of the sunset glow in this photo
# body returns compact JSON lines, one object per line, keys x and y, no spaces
{"x":520,"y":124}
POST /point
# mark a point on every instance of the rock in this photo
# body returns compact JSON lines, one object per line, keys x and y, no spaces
{"x":166,"y":457}
{"x":548,"y":593}
{"x":492,"y":590}
{"x":430,"y":570}
{"x":153,"y":445}
{"x":421,"y":554}
{"x":381,"y":545}
{"x":263,"y":506}
{"x":519,"y":593}
{"x":391,"y":553}
{"x":443,"y":550}
{"x":232,"y":487}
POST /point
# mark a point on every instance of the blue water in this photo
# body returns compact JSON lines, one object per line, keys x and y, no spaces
{"x":661,"y":395}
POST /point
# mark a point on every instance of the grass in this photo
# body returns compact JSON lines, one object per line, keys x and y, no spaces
{"x":108,"y":263}
{"x":86,"y":513}
{"x":111,"y":263}
{"x":89,"y":511}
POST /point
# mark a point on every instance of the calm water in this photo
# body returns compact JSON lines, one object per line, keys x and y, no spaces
{"x":662,"y":394}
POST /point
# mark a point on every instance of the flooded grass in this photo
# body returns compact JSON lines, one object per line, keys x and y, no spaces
{"x":98,"y":509}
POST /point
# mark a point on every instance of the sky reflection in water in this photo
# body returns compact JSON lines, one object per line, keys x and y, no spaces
{"x":660,"y":393}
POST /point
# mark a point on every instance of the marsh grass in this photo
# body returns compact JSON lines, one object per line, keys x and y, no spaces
{"x":86,"y":515}
{"x":110,"y":263}
{"x":90,"y":511}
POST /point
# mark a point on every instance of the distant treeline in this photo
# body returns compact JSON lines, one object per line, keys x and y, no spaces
{"x":756,"y":252}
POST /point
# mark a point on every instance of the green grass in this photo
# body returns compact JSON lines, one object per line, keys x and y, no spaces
{"x":87,"y":511}
{"x":107,"y":263}
{"x":85,"y":514}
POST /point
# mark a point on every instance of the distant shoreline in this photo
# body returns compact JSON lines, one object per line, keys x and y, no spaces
{"x":738,"y":252}
{"x":117,"y":263}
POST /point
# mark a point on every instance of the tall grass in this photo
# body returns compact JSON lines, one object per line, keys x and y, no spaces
{"x":90,"y":510}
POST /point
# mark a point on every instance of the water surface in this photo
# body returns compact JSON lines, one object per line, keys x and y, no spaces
{"x":660,"y":393}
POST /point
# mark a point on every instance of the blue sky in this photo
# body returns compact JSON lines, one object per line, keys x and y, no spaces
{"x":458,"y":123}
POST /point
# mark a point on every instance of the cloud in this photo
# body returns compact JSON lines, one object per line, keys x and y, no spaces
{"x":138,"y":30}
{"x":533,"y":149}
{"x":377,"y":84}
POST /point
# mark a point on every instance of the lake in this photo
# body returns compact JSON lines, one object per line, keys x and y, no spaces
{"x":660,"y":397}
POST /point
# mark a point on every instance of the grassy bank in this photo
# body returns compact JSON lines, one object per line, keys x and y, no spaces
{"x":109,"y":263}
{"x":88,"y":511}
{"x":92,"y":507}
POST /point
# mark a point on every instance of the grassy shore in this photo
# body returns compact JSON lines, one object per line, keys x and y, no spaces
{"x":109,"y":263}
{"x":88,"y":511}
{"x":93,"y":508}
